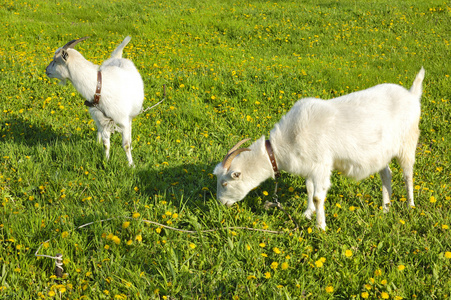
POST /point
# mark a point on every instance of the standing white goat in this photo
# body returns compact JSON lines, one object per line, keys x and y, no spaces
{"x":114,"y":91}
{"x":357,"y":134}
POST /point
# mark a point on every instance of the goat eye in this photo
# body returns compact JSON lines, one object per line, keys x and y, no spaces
{"x":224,"y":184}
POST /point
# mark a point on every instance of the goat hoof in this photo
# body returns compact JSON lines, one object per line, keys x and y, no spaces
{"x":308,"y":214}
{"x":322,"y":226}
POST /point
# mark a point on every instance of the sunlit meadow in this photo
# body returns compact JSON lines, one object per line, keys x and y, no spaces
{"x":231,"y":70}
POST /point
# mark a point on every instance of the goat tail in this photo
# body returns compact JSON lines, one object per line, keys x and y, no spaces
{"x":117,"y":53}
{"x":417,"y":88}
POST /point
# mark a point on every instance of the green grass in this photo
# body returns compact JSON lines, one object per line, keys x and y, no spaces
{"x":232,"y":69}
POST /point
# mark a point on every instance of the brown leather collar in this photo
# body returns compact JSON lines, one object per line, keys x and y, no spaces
{"x":98,"y":90}
{"x":272,"y":159}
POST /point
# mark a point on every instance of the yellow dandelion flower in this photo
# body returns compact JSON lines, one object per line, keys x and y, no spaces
{"x":65,"y":234}
{"x":139,"y":238}
{"x":383,"y":282}
{"x":136,"y":215}
{"x":284,"y":266}
{"x":263,"y":245}
{"x":265,"y":193}
{"x":267,"y":275}
{"x":309,"y":230}
{"x":116,"y":240}
{"x":318,"y":263}
{"x":384,"y":295}
{"x":348,"y":253}
{"x":276,"y":250}
{"x":401,"y":267}
{"x":192,"y":246}
{"x":448,"y":254}
{"x":432,"y":199}
{"x":129,"y":242}
{"x":106,"y":247}
{"x":365,"y":295}
{"x":378,"y":272}
{"x":329,"y":289}
{"x":274,"y":265}
{"x":125,"y":224}
{"x":251,"y":277}
{"x":51,"y":294}
{"x":291,"y":189}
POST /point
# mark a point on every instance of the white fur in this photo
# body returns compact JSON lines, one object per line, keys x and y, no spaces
{"x":357,"y":134}
{"x":122,"y":91}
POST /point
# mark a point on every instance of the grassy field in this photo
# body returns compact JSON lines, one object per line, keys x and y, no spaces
{"x":232,"y":69}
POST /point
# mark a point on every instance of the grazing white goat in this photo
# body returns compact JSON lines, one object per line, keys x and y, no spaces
{"x":357,"y":134}
{"x":114,"y":91}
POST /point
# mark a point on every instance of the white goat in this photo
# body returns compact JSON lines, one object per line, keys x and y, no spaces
{"x":115,"y":101}
{"x":357,"y":134}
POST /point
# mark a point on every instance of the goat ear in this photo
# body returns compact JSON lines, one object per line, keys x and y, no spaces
{"x":64,"y":55}
{"x":236,"y":175}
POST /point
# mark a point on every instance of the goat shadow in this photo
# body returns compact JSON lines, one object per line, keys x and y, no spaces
{"x":193,"y":185}
{"x":23,"y":132}
{"x":190,"y":184}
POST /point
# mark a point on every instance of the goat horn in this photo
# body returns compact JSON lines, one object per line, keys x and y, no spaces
{"x":228,"y":159}
{"x":237,"y":146}
{"x":72,"y":43}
